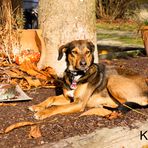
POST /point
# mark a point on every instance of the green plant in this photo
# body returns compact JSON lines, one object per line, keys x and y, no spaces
{"x":146,"y":22}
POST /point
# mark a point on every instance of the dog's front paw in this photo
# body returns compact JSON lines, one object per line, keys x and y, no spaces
{"x":36,"y":108}
{"x":40,"y":115}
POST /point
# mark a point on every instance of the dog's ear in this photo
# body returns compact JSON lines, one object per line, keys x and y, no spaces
{"x":91,"y":46}
{"x":62,"y":49}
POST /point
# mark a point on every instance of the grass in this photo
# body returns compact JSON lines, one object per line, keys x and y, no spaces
{"x":120,"y":25}
{"x":124,"y":39}
{"x":112,"y":31}
{"x":128,"y":40}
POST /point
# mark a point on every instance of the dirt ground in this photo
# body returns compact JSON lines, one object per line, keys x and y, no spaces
{"x":63,"y":126}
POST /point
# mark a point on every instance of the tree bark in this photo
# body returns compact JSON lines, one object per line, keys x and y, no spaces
{"x":63,"y":21}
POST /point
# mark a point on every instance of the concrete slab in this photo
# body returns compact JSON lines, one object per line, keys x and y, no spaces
{"x":118,"y":137}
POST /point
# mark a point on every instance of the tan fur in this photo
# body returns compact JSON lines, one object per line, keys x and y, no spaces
{"x":118,"y":89}
{"x":76,"y":56}
{"x":132,"y":89}
{"x":123,"y":90}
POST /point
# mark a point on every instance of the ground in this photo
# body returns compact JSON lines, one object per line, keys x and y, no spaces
{"x":63,"y":126}
{"x":60,"y":127}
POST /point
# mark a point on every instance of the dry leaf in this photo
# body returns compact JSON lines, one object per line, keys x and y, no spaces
{"x":114,"y":115}
{"x":33,"y":82}
{"x":7,"y":104}
{"x":35,"y":132}
{"x":14,"y":81}
{"x":12,"y":74}
{"x":41,"y":76}
{"x":17,"y":125}
{"x":17,"y":71}
{"x":26,"y":75}
{"x":29,"y":68}
{"x":24,"y":84}
{"x":97,"y":111}
{"x":50,"y":71}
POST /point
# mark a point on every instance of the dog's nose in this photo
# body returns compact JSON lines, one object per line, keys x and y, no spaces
{"x":83,"y":62}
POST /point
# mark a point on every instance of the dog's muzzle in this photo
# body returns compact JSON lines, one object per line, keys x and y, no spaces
{"x":83,"y":62}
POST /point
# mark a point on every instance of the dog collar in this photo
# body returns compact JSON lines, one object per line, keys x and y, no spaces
{"x":76,"y":73}
{"x":75,"y":77}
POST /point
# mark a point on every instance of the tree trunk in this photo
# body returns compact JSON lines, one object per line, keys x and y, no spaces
{"x":63,"y":21}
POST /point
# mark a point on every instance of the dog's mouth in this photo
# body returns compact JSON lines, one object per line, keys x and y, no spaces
{"x":82,"y":68}
{"x":78,"y":68}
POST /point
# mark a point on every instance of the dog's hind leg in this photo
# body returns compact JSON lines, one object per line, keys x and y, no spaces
{"x":54,"y":100}
{"x":96,"y":103}
{"x":128,"y":90}
{"x":101,"y":99}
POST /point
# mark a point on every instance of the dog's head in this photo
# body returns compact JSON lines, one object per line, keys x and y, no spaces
{"x":79,"y":54}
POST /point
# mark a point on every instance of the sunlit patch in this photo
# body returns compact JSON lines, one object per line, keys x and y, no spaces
{"x":104,"y":52}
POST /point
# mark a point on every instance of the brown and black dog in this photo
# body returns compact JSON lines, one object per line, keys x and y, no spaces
{"x":86,"y":84}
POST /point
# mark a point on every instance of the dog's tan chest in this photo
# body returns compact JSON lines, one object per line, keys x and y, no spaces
{"x":70,"y":93}
{"x":73,"y":86}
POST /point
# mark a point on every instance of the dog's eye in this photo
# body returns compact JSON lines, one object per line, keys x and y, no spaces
{"x":88,"y":52}
{"x":74,"y":52}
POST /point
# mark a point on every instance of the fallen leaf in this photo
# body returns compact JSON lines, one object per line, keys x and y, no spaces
{"x":29,"y":68}
{"x":114,"y":115}
{"x":41,"y":76}
{"x":33,"y":82}
{"x":7,"y":104}
{"x":97,"y":111}
{"x":12,"y":74}
{"x":14,"y":81}
{"x":17,"y":71}
{"x":17,"y":125}
{"x":35,"y":132}
{"x":27,"y":75}
{"x":24,"y":84}
{"x":50,"y":71}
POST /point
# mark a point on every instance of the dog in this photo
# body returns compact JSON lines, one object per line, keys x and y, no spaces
{"x":87,"y":84}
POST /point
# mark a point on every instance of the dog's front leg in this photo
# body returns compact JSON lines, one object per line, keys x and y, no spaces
{"x":63,"y":109}
{"x":94,"y":79}
{"x":81,"y":96}
{"x":84,"y":92}
{"x":54,"y":100}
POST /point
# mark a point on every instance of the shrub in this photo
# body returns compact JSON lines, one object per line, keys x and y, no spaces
{"x":112,"y":9}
